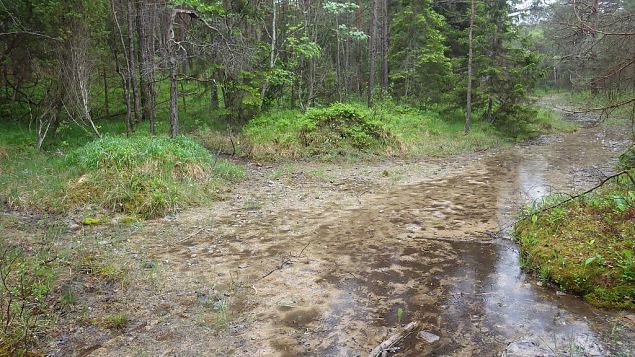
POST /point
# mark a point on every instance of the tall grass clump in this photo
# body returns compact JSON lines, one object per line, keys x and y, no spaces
{"x":147,"y":176}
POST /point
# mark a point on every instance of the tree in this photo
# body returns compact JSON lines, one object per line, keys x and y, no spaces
{"x":468,"y":105}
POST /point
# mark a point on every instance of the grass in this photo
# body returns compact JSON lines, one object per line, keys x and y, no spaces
{"x":115,"y":321}
{"x":141,"y":176}
{"x":352,"y":130}
{"x":586,"y":246}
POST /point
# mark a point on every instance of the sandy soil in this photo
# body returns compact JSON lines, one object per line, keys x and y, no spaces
{"x":307,"y":259}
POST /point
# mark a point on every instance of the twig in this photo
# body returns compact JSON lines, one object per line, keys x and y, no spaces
{"x":573,"y":197}
{"x":393,"y":340}
{"x":285,"y":261}
{"x":189,"y":236}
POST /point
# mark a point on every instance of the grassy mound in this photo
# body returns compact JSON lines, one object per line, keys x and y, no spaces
{"x":143,"y":176}
{"x":352,"y":129}
{"x":586,"y":246}
{"x":337,"y":128}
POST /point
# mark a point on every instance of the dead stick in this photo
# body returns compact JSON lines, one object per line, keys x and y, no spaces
{"x":189,"y":237}
{"x":393,"y":340}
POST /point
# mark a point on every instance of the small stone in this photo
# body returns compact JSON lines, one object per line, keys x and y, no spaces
{"x":243,"y":265}
{"x":429,"y":337}
{"x":560,"y":293}
{"x":539,"y":283}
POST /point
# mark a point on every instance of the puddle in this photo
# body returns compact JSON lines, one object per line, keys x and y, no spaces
{"x":428,"y":249}
{"x":333,"y":269}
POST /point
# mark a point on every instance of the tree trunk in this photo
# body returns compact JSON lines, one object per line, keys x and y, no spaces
{"x":272,"y":53}
{"x":124,"y":78}
{"x":213,"y":95}
{"x":372,"y":51}
{"x":106,"y":105}
{"x":384,"y":46}
{"x":338,"y":65}
{"x":174,"y":98}
{"x":468,"y":106}
{"x":132,"y":66}
{"x":146,"y":49}
{"x":174,"y":92}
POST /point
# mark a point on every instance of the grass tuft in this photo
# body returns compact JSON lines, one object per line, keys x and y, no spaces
{"x":143,"y":176}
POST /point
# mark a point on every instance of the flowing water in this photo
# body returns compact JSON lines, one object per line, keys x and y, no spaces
{"x":428,"y":252}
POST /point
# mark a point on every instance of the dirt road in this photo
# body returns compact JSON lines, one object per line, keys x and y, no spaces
{"x":328,"y":260}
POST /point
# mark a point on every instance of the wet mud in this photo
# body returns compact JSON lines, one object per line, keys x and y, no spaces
{"x":332,"y":267}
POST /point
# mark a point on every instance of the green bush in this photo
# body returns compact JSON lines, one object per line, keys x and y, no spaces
{"x":343,"y":124}
{"x":27,"y":278}
{"x":121,"y":152}
{"x":627,"y":159}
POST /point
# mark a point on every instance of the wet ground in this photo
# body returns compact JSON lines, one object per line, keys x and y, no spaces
{"x":329,"y":260}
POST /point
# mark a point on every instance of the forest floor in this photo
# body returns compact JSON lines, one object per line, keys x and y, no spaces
{"x":330,"y":259}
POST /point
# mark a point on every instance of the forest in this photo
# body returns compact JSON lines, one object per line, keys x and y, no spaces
{"x":317,"y":177}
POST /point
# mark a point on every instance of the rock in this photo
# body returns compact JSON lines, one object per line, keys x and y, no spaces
{"x":429,"y":337}
{"x":526,"y":349}
{"x":560,"y":293}
{"x":243,"y":266}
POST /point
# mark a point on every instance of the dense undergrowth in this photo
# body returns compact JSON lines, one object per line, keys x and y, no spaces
{"x":142,"y":176}
{"x":586,"y":246}
{"x":354,"y":130}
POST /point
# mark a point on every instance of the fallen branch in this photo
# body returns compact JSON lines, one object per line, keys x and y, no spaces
{"x":189,"y":236}
{"x":285,"y":261}
{"x":573,"y":197}
{"x":383,"y":347}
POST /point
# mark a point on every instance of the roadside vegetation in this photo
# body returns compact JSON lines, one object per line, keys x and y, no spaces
{"x":352,"y":130}
{"x":140,"y":176}
{"x":586,"y":246}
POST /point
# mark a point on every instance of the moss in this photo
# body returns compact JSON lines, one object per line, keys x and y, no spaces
{"x":91,"y":221}
{"x":586,"y":246}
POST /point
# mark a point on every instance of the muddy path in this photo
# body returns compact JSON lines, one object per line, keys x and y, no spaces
{"x":328,"y":260}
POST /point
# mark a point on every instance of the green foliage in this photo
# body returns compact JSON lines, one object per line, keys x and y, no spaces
{"x":115,"y":321}
{"x":125,"y":153}
{"x":342,"y":124}
{"x":320,"y":130}
{"x":585,"y":246}
{"x":27,"y":276}
{"x":627,"y":159}
{"x":417,"y":56}
{"x":352,"y":129}
{"x":142,"y":176}
{"x":147,"y":176}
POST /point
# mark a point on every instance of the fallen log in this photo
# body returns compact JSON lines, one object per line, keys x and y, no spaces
{"x":393,"y":340}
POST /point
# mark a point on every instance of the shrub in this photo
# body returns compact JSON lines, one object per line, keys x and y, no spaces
{"x":26,"y":282}
{"x":341,"y":125}
{"x":627,"y":159}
